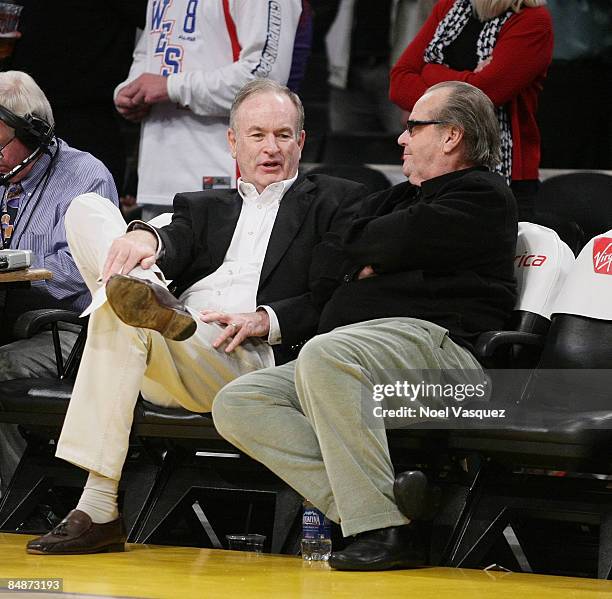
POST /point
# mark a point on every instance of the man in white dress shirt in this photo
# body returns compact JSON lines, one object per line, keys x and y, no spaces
{"x":240,"y":264}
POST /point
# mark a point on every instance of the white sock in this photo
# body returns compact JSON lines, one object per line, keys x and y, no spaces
{"x":99,"y":499}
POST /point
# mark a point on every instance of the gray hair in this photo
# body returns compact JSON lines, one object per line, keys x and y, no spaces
{"x":470,"y":109}
{"x":21,"y":95}
{"x":489,"y":9}
{"x":260,"y":86}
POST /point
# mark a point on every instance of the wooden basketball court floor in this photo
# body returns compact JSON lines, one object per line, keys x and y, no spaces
{"x":183,"y":572}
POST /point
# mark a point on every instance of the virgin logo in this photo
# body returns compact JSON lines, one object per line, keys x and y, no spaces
{"x":602,"y":256}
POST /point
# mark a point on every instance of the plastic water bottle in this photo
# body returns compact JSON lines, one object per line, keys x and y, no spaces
{"x":316,"y":534}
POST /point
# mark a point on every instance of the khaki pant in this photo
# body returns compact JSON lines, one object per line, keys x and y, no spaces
{"x":120,"y":361}
{"x":308,"y":421}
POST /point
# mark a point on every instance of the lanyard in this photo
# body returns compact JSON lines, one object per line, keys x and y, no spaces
{"x":8,"y":213}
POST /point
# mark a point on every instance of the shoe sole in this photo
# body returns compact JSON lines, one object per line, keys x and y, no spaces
{"x":116,"y":548}
{"x":135,"y":304}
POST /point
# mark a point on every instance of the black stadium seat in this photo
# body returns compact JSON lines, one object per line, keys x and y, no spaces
{"x":372,"y":179}
{"x":584,"y":198}
{"x":361,"y":148}
{"x":179,"y":470}
{"x":545,"y":473}
{"x":539,"y":467}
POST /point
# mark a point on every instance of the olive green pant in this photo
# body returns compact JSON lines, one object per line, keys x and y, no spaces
{"x":311,"y":422}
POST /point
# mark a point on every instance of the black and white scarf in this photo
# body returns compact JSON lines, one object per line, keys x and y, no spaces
{"x":447,"y":32}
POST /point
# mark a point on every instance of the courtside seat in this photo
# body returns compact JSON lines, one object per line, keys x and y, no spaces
{"x":348,"y":147}
{"x":372,"y":179}
{"x":151,"y":420}
{"x":43,"y":483}
{"x":48,"y":401}
{"x":38,"y":410}
{"x":552,"y":460}
{"x":179,"y":470}
{"x":540,"y":438}
{"x":582,"y":197}
{"x":541,"y":265}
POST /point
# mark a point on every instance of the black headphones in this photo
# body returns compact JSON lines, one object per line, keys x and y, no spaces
{"x":35,"y":133}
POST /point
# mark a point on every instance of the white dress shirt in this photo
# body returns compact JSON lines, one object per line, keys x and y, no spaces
{"x":233,"y":286}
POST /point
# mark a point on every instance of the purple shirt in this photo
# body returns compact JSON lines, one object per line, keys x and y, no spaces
{"x":39,"y":225}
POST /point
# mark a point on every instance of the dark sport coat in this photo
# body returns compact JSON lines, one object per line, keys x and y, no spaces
{"x":443,"y":252}
{"x":203,"y":223}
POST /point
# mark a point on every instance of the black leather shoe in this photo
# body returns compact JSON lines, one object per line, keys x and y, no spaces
{"x":140,"y":303}
{"x":416,"y":498}
{"x":382,"y":549}
{"x":77,"y":534}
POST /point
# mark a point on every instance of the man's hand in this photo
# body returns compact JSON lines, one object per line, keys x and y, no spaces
{"x":130,"y":112}
{"x":366,"y":272}
{"x":130,"y":250}
{"x":134,"y":100}
{"x":127,"y":107}
{"x":148,"y":88}
{"x":239,"y":326}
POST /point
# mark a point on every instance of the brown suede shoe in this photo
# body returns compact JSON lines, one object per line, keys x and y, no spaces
{"x":76,"y":534}
{"x":140,"y":303}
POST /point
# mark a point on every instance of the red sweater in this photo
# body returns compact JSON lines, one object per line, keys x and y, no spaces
{"x":514,"y":76}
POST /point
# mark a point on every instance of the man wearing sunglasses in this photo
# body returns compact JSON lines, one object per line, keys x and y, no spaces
{"x":427,"y":268}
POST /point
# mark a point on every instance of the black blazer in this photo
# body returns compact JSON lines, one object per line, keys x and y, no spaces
{"x":203,"y":223}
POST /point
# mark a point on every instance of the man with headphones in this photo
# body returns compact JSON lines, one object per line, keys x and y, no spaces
{"x":39,"y":176}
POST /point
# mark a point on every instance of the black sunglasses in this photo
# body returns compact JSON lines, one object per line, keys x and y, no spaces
{"x":410,"y":124}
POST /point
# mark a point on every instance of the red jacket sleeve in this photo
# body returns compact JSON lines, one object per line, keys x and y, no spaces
{"x":407,"y":84}
{"x":522,"y":53}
